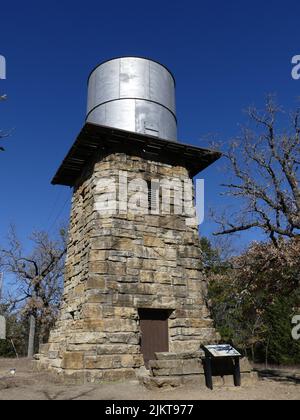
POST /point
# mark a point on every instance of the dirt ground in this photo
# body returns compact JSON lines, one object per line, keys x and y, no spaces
{"x":29,"y":385}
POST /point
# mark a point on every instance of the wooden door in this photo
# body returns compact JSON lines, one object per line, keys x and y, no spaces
{"x":154,"y":332}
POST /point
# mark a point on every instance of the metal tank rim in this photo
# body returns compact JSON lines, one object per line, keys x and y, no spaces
{"x":132,"y":56}
{"x":136,"y":98}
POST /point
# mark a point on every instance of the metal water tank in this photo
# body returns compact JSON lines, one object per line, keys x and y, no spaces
{"x":134,"y":94}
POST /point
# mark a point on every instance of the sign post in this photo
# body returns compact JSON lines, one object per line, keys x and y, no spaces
{"x":214,"y":354}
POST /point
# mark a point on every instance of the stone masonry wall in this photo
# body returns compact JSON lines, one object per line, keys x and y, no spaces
{"x":117,"y":264}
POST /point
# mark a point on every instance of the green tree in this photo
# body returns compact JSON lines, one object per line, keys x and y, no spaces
{"x":281,"y":347}
{"x":17,"y":331}
{"x":253,"y":300}
{"x":210,"y":256}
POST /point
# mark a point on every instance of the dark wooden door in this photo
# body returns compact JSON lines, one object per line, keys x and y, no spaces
{"x":154,"y":332}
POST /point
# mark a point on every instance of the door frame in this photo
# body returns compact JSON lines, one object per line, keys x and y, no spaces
{"x":149,"y":314}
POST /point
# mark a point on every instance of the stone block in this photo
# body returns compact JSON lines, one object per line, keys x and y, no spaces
{"x":245,"y":365}
{"x":126,"y":313}
{"x":44,"y":348}
{"x":113,"y":361}
{"x":149,"y":264}
{"x":194,"y":380}
{"x":97,"y":296}
{"x":53,"y":354}
{"x":166,"y":382}
{"x":180,"y":355}
{"x":134,"y":263}
{"x":102,"y":362}
{"x":179,"y":281}
{"x":56,"y":363}
{"x":163,"y":277}
{"x":92,"y":310}
{"x":98,"y":255}
{"x":90,"y":349}
{"x":95,"y":282}
{"x":146,"y":276}
{"x":176,"y":366}
{"x":118,"y":374}
{"x":123,"y":338}
{"x":87,"y":338}
{"x":134,"y":361}
{"x":132,"y":273}
{"x":117,"y":349}
{"x":153,"y":241}
{"x":167,"y":371}
{"x":109,"y":325}
{"x":116,"y":268}
{"x":180,"y":291}
{"x":73,"y":360}
{"x":184,"y":345}
{"x":123,"y":300}
{"x":102,"y":243}
{"x":165,"y":363}
{"x":98,"y":267}
{"x":192,"y":367}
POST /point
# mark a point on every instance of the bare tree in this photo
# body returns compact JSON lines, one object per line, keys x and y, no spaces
{"x":264,"y":164}
{"x":37,"y":277}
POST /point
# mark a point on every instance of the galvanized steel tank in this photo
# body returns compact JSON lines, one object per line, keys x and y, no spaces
{"x":134,"y":94}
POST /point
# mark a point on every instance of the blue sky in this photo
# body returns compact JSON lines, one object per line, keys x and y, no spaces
{"x":224,"y":55}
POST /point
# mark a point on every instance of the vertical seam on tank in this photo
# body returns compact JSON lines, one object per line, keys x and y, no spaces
{"x":135,"y":116}
{"x":149,"y":93}
{"x":105,"y":113}
{"x":149,"y":80}
{"x":120,"y":78}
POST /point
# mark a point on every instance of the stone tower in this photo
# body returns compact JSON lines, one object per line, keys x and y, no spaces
{"x":134,"y":283}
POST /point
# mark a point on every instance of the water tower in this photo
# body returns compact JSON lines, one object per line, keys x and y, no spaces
{"x":133,"y":94}
{"x":134,"y":292}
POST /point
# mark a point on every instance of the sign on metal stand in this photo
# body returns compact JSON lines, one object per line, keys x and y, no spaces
{"x":217,"y":358}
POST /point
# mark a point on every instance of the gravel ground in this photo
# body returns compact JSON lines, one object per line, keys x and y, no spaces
{"x":29,"y":385}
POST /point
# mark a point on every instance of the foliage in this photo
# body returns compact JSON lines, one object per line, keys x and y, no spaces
{"x":282,"y":349}
{"x":254,"y":299}
{"x":17,"y":331}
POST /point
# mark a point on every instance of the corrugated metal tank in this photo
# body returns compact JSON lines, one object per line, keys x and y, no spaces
{"x":134,"y":94}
